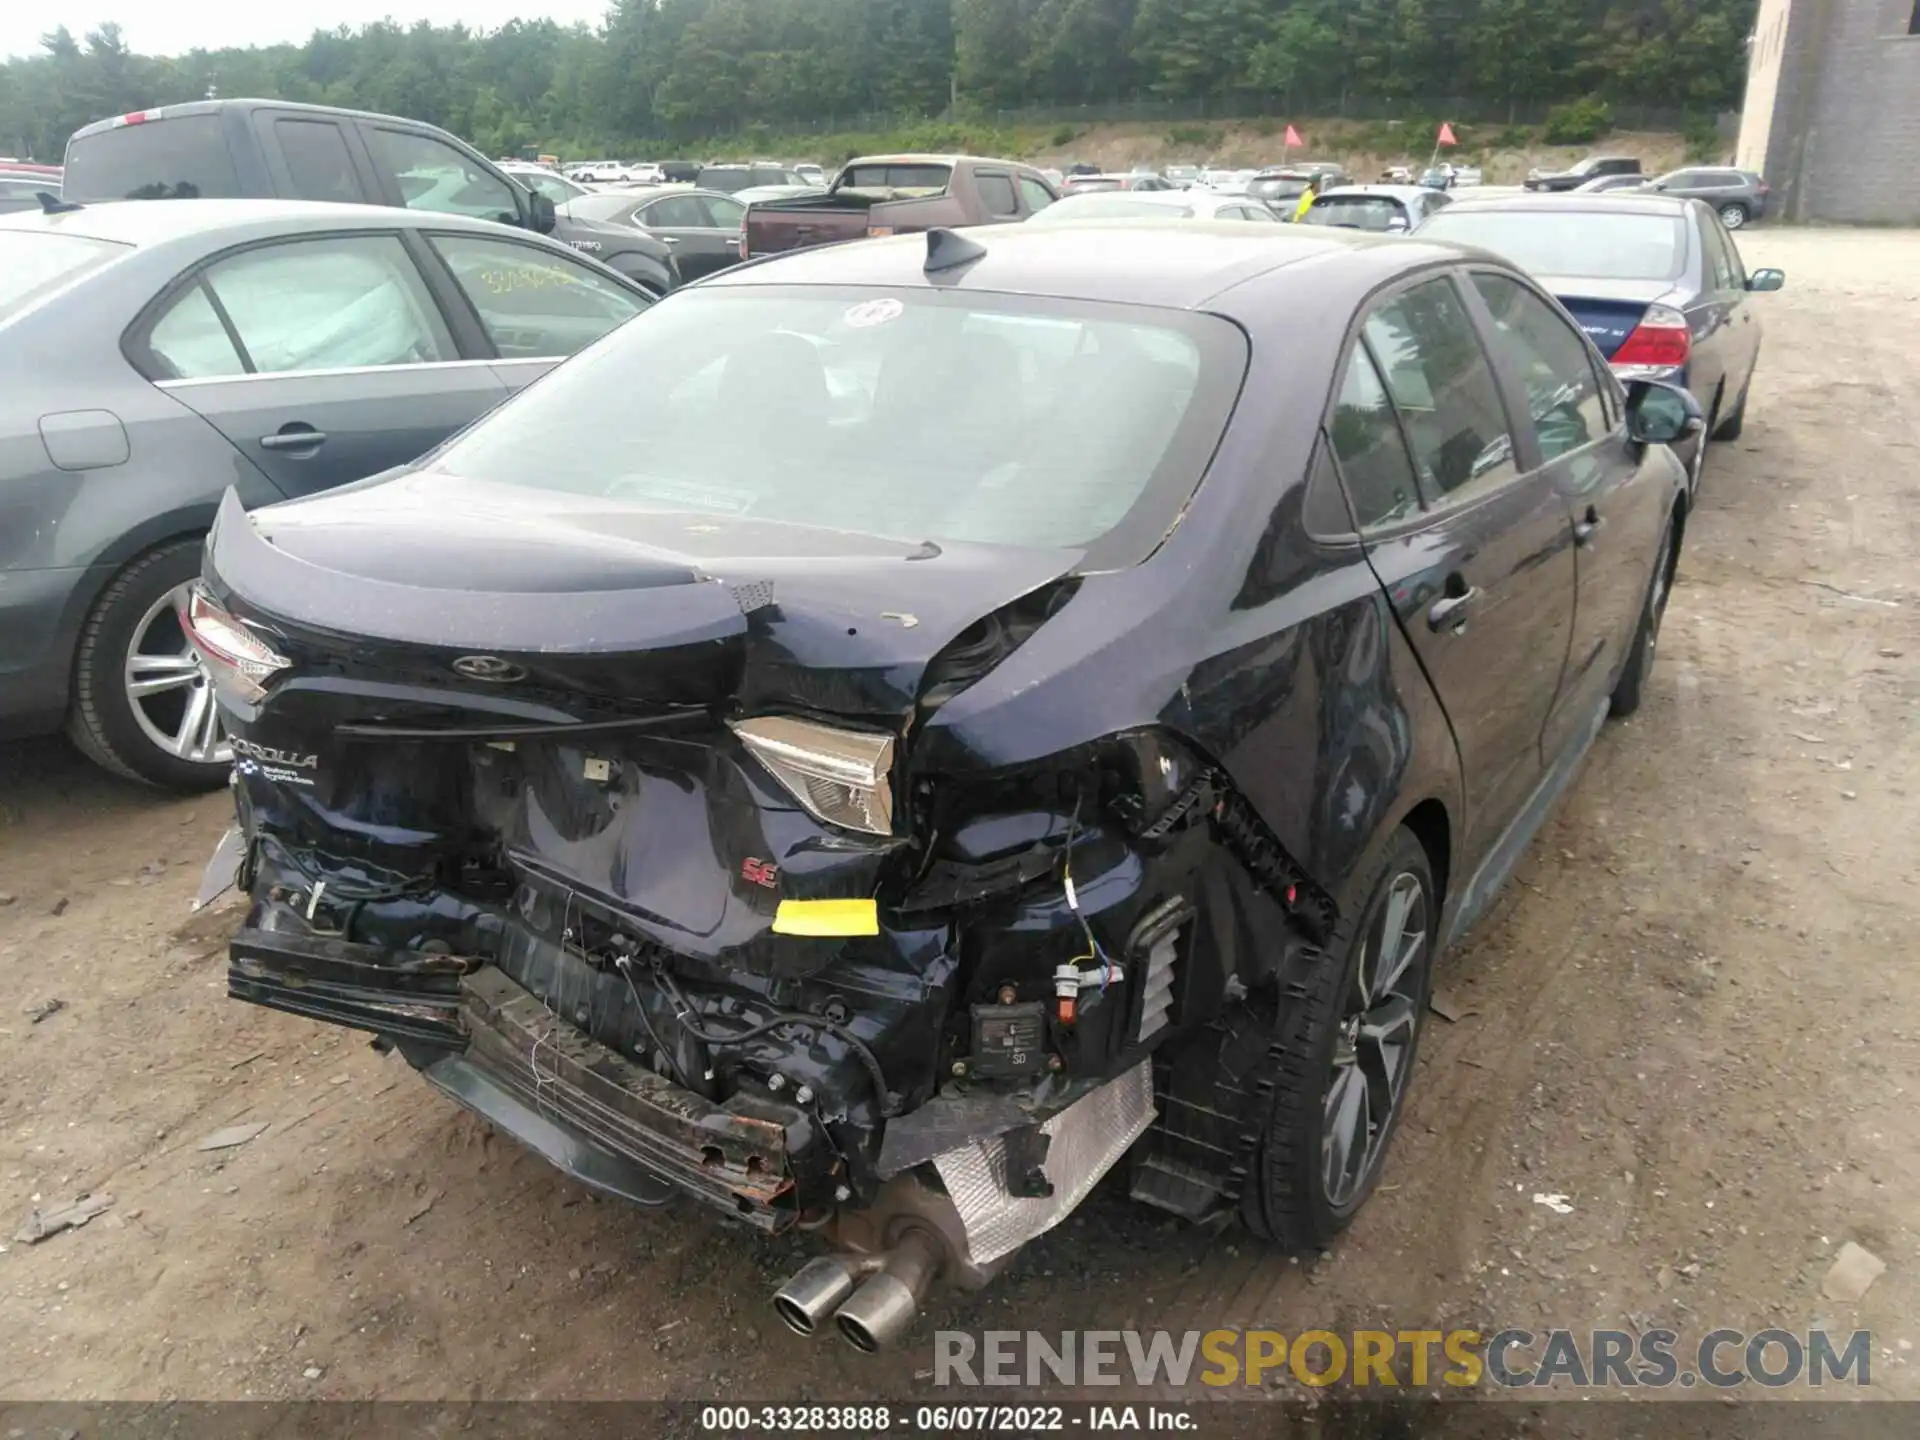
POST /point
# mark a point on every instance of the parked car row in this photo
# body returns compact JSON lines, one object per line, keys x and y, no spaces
{"x":1739,"y":197}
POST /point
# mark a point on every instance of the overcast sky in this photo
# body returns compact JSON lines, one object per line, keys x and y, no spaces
{"x":173,"y":27}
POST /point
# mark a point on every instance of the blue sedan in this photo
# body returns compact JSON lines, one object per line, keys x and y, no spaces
{"x":1656,"y":281}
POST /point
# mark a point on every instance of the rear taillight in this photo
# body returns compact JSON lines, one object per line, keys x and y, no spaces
{"x":1659,"y":345}
{"x":137,"y":117}
{"x":239,"y":661}
{"x":874,"y":232}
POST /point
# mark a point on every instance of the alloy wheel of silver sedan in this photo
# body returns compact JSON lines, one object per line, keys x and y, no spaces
{"x":1373,"y":1049}
{"x":169,"y":689}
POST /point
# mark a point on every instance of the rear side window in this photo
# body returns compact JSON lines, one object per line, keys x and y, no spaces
{"x":931,"y":179}
{"x":677,"y":212}
{"x":317,"y":161}
{"x":340,"y":302}
{"x":33,"y":264}
{"x":190,"y":342}
{"x":535,"y":304}
{"x":1037,"y":196}
{"x":185,"y":158}
{"x":1372,"y":454}
{"x":996,"y":193}
{"x":433,"y":175}
{"x":1555,"y":365}
{"x":1431,"y":360}
{"x":1713,"y":246}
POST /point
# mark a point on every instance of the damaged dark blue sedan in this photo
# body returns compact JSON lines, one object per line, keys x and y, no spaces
{"x":897,"y":731}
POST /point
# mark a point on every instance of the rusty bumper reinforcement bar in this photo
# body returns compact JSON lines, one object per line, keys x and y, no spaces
{"x":408,"y":995}
{"x":606,"y":1120}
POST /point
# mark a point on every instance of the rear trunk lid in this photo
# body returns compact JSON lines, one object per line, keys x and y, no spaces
{"x":525,"y":677}
{"x":1607,"y":310}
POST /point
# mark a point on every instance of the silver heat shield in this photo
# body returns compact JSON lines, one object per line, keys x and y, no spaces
{"x":1087,"y":1138}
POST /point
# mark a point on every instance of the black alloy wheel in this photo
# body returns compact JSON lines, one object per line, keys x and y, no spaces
{"x":1346,"y":1044}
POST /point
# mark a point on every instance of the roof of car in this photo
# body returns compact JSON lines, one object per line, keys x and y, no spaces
{"x":1172,"y":263}
{"x":209,"y":107}
{"x":1619,"y":201}
{"x":152,"y":222}
{"x":1390,"y":192}
{"x":911,"y":158}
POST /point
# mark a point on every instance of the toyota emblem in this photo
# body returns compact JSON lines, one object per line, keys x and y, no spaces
{"x":490,"y":668}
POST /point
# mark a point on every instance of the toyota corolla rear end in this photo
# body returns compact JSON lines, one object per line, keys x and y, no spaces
{"x":595,"y":774}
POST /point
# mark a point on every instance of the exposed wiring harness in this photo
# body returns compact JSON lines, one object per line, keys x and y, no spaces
{"x":1093,"y":951}
{"x":684,"y":1012}
{"x":345,"y":892}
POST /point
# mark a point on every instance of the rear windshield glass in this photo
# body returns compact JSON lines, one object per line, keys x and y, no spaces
{"x":931,"y":179}
{"x":1108,"y":207}
{"x":1357,"y":212}
{"x":184,"y":158}
{"x":903,"y":414}
{"x":602,"y":205}
{"x":1277,"y":188}
{"x":1595,"y":244}
{"x":34,"y":264}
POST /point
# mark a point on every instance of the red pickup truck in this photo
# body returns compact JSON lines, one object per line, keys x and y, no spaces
{"x":897,"y":194}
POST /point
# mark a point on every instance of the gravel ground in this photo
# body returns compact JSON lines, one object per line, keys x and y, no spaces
{"x":1694,"y":1015}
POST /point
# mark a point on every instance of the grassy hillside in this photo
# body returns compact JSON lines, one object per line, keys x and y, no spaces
{"x":1505,"y":153}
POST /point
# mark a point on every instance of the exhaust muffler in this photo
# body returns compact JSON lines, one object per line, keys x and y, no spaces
{"x":882,"y":1309}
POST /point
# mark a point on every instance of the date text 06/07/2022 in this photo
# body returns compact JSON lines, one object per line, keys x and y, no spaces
{"x":942,"y":1419}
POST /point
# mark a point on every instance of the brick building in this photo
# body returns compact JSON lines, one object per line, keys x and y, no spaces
{"x":1832,"y":113}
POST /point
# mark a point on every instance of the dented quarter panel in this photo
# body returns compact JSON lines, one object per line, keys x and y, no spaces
{"x":1271,"y":651}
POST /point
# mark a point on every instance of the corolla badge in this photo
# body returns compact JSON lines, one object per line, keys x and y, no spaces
{"x":490,"y":668}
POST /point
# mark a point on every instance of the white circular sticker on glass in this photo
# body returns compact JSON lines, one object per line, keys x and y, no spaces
{"x":869,"y":313}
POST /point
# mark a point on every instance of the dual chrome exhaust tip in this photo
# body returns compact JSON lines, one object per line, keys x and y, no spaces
{"x":873,"y":1299}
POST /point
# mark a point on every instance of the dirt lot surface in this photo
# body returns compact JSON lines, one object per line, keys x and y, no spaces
{"x":1696,"y":1016}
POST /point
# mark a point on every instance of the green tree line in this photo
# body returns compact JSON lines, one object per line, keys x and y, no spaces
{"x":657,"y":71}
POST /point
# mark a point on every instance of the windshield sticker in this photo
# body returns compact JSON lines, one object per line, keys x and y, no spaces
{"x":869,"y":313}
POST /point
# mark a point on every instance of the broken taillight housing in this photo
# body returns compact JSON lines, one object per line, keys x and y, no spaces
{"x":239,"y":661}
{"x":841,"y":776}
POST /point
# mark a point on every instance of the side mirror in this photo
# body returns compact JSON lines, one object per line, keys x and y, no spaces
{"x":1661,"y":414}
{"x":1761,"y":280}
{"x":540,"y":213}
{"x":1396,"y":223}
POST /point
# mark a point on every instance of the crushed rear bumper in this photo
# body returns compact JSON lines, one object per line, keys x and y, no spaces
{"x":498,"y":1050}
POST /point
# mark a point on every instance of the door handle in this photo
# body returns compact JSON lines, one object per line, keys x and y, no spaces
{"x":1451,"y":611}
{"x":294,"y":437}
{"x":668,"y":239}
{"x":1585,"y":530}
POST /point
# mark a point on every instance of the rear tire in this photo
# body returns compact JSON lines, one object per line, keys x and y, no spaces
{"x":1341,"y":1054}
{"x":130,"y":639}
{"x":1733,"y":216}
{"x":1731,"y":427}
{"x":1630,"y":689}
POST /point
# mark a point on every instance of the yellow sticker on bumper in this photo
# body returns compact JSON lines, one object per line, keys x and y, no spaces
{"x":827,"y":917}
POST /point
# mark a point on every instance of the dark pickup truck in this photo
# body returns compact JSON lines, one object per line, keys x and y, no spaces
{"x":898,"y":194}
{"x":1591,"y":168}
{"x":277,"y":150}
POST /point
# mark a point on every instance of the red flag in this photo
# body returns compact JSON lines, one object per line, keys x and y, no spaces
{"x":1446,"y":134}
{"x":1292,"y":138}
